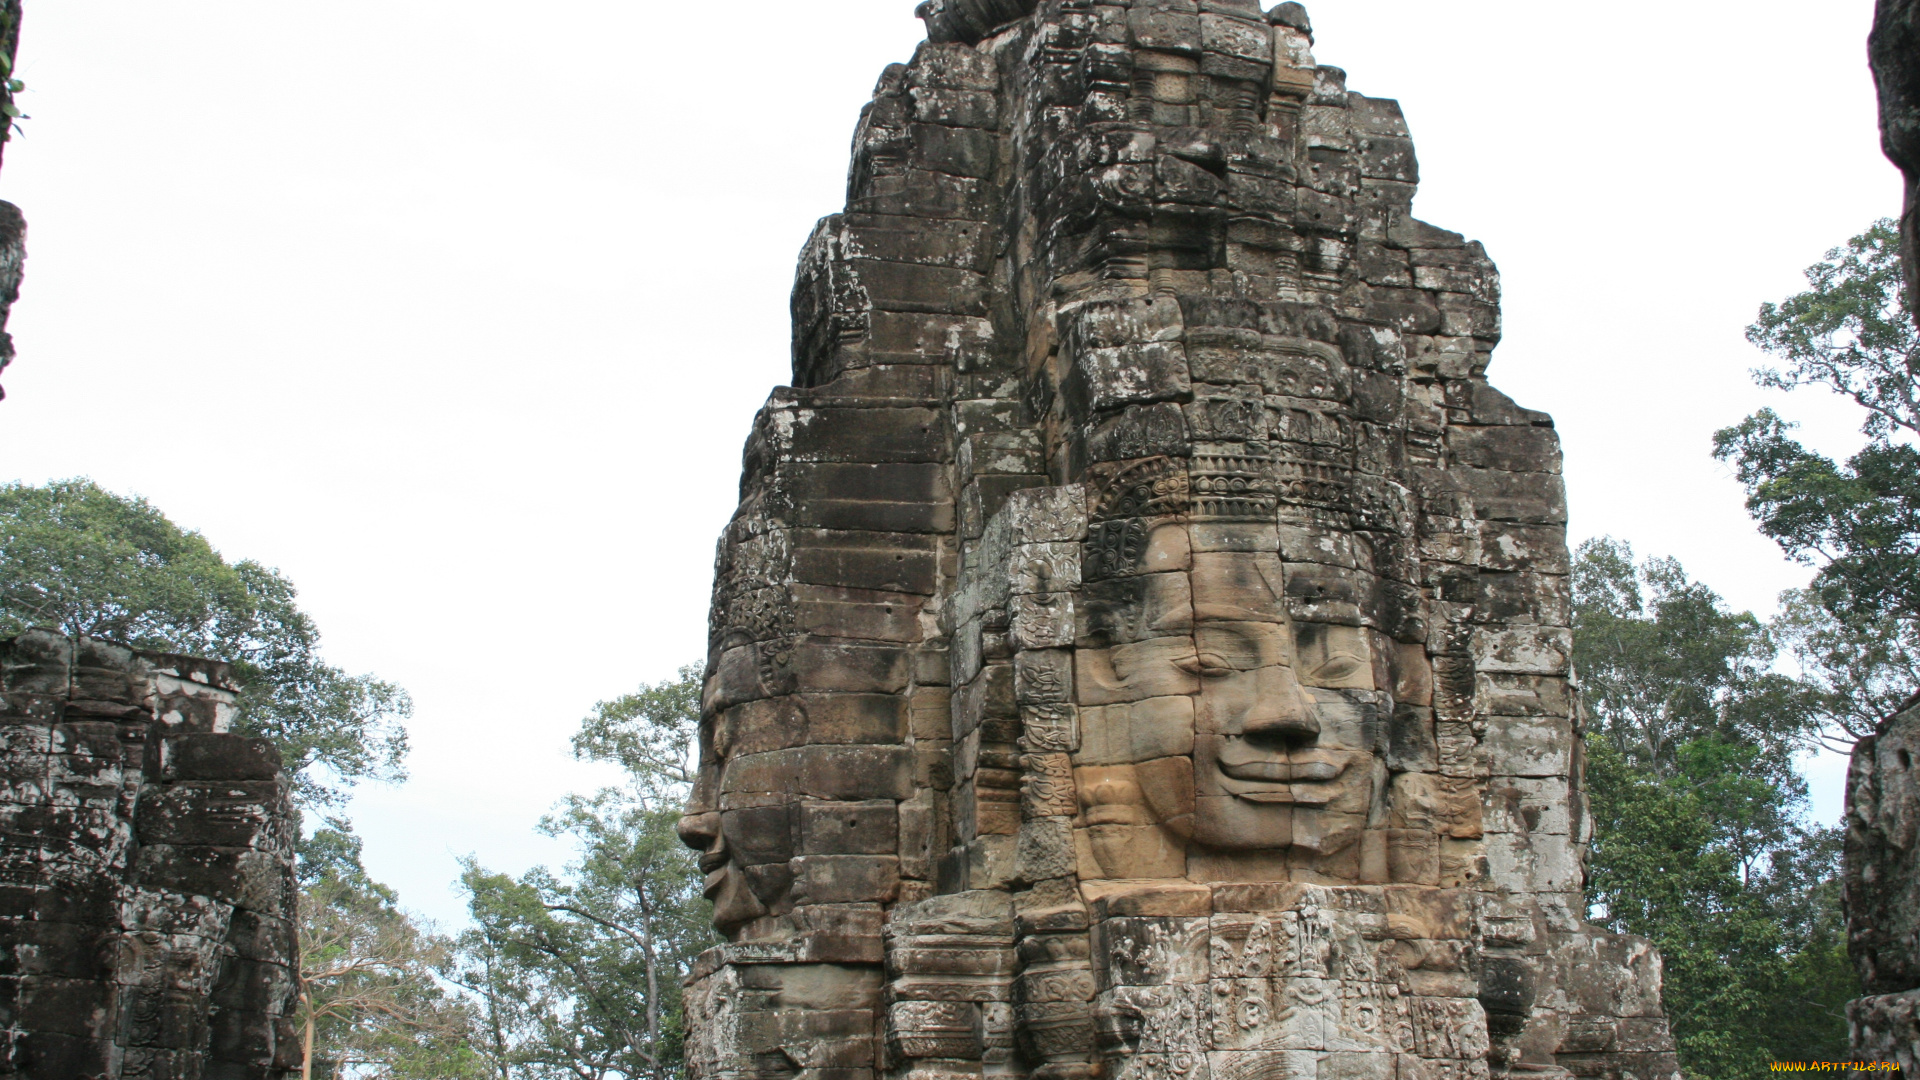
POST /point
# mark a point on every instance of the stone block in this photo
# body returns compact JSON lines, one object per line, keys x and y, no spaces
{"x":1123,"y":375}
{"x":1505,"y":546}
{"x":1045,"y":850}
{"x":238,"y":813}
{"x":845,"y":879}
{"x":992,"y":861}
{"x":850,"y":669}
{"x":1530,"y":746}
{"x":1524,"y":650}
{"x":244,"y":877}
{"x":1043,"y":677}
{"x":934,"y":1029}
{"x":825,"y":772}
{"x":1050,"y":728}
{"x":864,"y":828}
{"x":1883,"y":858}
{"x":868,"y":434}
{"x":1522,"y":695}
{"x":1524,"y":498}
{"x":1043,"y":621}
{"x":218,"y":757}
{"x":1527,"y":805}
{"x":1886,"y":1028}
{"x":1523,"y":598}
{"x":1148,"y":899}
{"x":1137,"y":731}
{"x":1047,"y":790}
{"x":1412,"y":744}
{"x":956,"y":108}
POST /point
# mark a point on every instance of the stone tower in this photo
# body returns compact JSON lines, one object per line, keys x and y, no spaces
{"x":1882,"y":892}
{"x":1141,"y":650}
{"x":146,"y":871}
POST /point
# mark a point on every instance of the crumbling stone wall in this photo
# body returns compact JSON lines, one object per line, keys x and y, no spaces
{"x":1142,"y":646}
{"x":1894,"y":48}
{"x":146,"y":872}
{"x":1882,"y":904}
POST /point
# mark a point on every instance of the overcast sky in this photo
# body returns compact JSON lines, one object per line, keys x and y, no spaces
{"x":458,"y":311}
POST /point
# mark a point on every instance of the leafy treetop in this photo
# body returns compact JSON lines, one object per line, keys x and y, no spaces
{"x":84,"y":561}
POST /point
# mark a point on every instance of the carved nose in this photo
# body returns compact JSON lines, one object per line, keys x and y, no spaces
{"x":1283,"y":721}
{"x":699,"y":831}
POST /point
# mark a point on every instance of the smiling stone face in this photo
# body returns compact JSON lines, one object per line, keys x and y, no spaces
{"x":1243,"y":734}
{"x":1141,"y":651}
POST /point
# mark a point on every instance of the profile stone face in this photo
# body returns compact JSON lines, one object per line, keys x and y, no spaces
{"x":1142,"y":646}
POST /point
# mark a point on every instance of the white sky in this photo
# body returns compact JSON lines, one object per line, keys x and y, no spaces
{"x":458,"y":311}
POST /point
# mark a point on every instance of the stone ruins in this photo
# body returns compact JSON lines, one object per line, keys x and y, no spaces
{"x":1141,"y":650}
{"x":146,"y":872}
{"x":1883,"y":905}
{"x":1894,"y":48}
{"x":13,"y":226}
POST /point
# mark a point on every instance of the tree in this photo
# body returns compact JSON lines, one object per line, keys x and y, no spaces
{"x":1663,"y":663}
{"x":1852,"y":333}
{"x":372,"y":1003}
{"x":1856,"y":672}
{"x":578,"y":974}
{"x":1700,"y":840}
{"x":82,"y":560}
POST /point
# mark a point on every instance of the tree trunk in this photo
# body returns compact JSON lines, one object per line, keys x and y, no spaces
{"x":306,"y":1057}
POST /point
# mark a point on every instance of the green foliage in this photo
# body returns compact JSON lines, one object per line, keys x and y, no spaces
{"x":1663,"y":663}
{"x":1859,"y":520}
{"x":81,"y":560}
{"x":647,"y":732}
{"x":372,"y":998}
{"x":1850,"y":333}
{"x":578,"y":974}
{"x":1700,"y":842}
{"x":1855,"y":672}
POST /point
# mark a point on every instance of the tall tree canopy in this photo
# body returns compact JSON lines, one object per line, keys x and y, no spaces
{"x":373,"y":1001}
{"x":1851,"y":333}
{"x":577,"y":974}
{"x":81,"y":560}
{"x":1700,"y":837}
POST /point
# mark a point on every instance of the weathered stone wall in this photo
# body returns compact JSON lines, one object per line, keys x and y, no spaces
{"x":146,"y":872}
{"x":13,"y":226}
{"x":1882,"y":903}
{"x":1142,"y":646}
{"x":1894,"y":48}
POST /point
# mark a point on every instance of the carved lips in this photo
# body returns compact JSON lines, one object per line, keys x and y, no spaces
{"x":1297,"y":774}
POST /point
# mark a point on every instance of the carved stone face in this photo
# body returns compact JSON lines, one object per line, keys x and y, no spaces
{"x":700,"y":828}
{"x":1199,"y":658}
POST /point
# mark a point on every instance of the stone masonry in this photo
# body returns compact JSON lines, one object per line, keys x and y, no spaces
{"x":1882,"y":903}
{"x":1894,"y":48}
{"x":146,"y":872}
{"x":13,"y":226}
{"x":1142,"y":648}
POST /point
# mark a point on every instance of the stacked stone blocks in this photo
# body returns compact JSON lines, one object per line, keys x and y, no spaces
{"x":1141,"y":566}
{"x":146,"y":871}
{"x":1882,"y":904}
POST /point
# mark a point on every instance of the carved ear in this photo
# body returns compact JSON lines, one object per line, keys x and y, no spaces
{"x":1113,"y":797}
